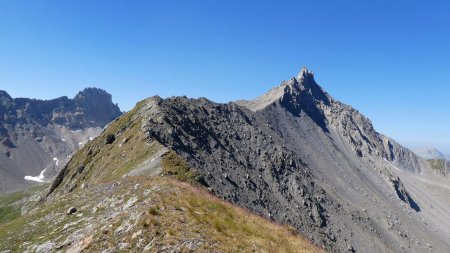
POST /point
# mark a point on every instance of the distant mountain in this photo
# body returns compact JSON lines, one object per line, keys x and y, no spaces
{"x":428,"y":152}
{"x":37,"y":136}
{"x":439,"y":162}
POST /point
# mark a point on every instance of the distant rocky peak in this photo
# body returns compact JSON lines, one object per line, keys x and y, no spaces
{"x":93,"y":94}
{"x":94,"y":106}
{"x":4,"y":96}
{"x":91,"y":107}
{"x":296,"y":94}
{"x":305,"y":74}
{"x":429,"y":152}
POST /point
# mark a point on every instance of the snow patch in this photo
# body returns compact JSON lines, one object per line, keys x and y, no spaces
{"x":39,"y":178}
{"x":56,"y":161}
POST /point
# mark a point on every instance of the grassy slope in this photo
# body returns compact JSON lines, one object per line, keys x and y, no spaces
{"x":439,"y":166}
{"x":157,"y":213}
{"x":11,"y":204}
{"x":134,"y":214}
{"x":99,"y":162}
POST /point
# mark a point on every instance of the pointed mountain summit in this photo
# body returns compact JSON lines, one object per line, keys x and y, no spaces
{"x":304,"y":94}
{"x":302,"y":97}
{"x":305,"y":74}
{"x":294,"y":93}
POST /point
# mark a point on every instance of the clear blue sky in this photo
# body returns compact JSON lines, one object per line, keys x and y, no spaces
{"x":388,"y":59}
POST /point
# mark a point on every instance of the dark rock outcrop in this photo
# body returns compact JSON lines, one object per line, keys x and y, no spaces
{"x":403,"y":194}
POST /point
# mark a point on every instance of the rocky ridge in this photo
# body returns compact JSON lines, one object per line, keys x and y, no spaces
{"x":110,"y":198}
{"x":294,"y":155}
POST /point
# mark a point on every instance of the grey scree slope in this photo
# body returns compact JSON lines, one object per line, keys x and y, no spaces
{"x":300,"y":157}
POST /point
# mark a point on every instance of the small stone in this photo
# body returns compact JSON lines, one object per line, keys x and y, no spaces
{"x":124,"y":140}
{"x":149,"y":246}
{"x":72,"y":210}
{"x":123,"y":245}
{"x":130,"y":202}
{"x":138,"y":233}
{"x":350,"y":248}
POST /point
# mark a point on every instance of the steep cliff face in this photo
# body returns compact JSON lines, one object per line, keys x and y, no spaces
{"x":38,"y":135}
{"x":295,"y":155}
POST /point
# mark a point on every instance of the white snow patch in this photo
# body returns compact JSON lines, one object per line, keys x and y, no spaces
{"x":56,"y":161}
{"x":36,"y":179}
{"x":80,"y":143}
{"x":91,"y":138}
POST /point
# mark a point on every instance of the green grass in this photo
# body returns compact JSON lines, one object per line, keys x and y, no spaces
{"x":107,"y":162}
{"x":437,"y":164}
{"x":173,"y":165}
{"x":172,"y":212}
{"x":440,"y":166}
{"x":232,"y":229}
{"x":11,"y":204}
{"x":154,"y":211}
{"x":9,"y":213}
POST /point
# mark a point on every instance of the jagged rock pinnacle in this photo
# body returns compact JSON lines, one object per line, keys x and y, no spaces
{"x":304,"y":74}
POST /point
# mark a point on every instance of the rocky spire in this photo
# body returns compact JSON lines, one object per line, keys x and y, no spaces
{"x":305,"y":84}
{"x":296,"y":92}
{"x":93,"y":94}
{"x":305,"y":74}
